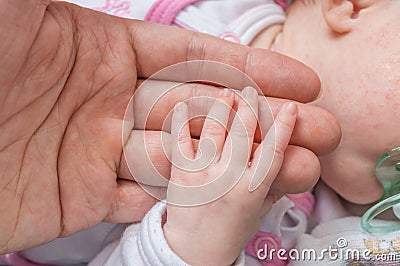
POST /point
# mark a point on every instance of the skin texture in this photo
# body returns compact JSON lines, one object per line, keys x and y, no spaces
{"x":66,"y":79}
{"x":354,"y":46}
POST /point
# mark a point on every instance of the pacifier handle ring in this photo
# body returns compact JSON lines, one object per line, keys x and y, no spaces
{"x":377,"y":209}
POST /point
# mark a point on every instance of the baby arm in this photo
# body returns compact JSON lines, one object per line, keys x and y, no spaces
{"x":213,"y":231}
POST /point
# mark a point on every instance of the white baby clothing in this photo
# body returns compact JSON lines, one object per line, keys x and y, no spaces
{"x":235,"y":20}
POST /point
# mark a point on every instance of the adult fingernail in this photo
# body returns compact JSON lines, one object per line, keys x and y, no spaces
{"x":291,"y":108}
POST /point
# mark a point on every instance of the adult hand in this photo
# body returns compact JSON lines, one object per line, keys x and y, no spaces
{"x":66,"y":76}
{"x":316,"y":133}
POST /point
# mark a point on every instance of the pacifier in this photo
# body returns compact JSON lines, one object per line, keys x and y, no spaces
{"x":387,"y":171}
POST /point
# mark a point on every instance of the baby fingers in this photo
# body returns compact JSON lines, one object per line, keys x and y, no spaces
{"x":268,"y":157}
{"x":215,"y":126}
{"x":181,"y":147}
{"x":238,"y":147}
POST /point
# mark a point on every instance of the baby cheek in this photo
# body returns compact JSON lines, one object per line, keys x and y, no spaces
{"x":370,"y":119}
{"x":383,"y":116}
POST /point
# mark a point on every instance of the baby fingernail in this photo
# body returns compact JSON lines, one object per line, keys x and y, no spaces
{"x":249,"y":91}
{"x":180,"y":106}
{"x":291,"y":108}
{"x":225,"y":93}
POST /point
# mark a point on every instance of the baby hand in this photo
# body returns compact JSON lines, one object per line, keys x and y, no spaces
{"x":217,"y":195}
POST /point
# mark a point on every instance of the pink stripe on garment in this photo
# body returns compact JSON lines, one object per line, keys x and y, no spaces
{"x":165,"y":11}
{"x":14,"y":259}
{"x":265,"y":242}
{"x":282,"y":3}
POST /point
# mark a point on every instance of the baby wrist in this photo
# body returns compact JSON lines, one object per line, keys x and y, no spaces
{"x":200,"y":250}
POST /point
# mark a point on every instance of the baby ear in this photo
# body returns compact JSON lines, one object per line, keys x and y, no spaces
{"x":341,"y":15}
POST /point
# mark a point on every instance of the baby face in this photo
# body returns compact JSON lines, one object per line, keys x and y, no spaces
{"x":360,"y":74}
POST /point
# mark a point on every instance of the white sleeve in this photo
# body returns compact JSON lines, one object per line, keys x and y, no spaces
{"x":144,"y":244}
{"x":141,"y":244}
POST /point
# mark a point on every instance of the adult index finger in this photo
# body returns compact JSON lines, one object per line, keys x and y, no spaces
{"x":159,"y":46}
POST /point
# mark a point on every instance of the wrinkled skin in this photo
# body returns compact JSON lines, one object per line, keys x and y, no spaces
{"x":66,"y":77}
